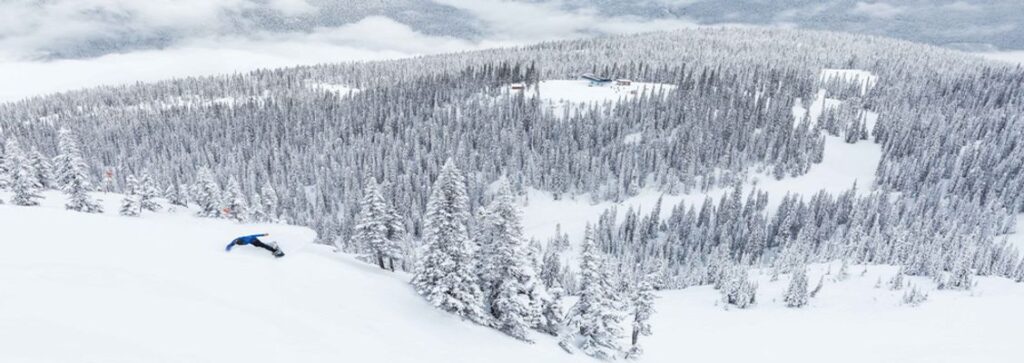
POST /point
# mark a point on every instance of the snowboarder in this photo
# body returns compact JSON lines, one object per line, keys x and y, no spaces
{"x":255,"y":241}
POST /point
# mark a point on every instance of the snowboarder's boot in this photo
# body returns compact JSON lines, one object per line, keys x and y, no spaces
{"x":277,"y":250}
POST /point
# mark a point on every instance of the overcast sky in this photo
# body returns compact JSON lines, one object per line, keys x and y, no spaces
{"x":54,"y":45}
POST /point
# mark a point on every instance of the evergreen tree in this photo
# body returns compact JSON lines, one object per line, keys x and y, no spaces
{"x":736,"y":287}
{"x":643,"y":308}
{"x":131,"y":204}
{"x":914,"y":297}
{"x":960,"y":276}
{"x":551,"y":268}
{"x":256,"y":213}
{"x":24,"y":182}
{"x":896,"y":282}
{"x":148,"y":192}
{"x":844,"y":271}
{"x":208,"y":195}
{"x":593,"y":323}
{"x":72,"y":176}
{"x":371,"y":231}
{"x":445,"y":275}
{"x":269,"y":197}
{"x":176,"y":195}
{"x":43,"y":169}
{"x":5,"y":172}
{"x":796,"y":294}
{"x":235,"y":206}
{"x":552,"y":314}
{"x":507,"y":273}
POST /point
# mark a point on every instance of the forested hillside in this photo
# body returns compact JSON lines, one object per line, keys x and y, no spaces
{"x":302,"y":144}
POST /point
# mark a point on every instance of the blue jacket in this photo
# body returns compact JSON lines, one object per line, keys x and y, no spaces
{"x":244,"y":240}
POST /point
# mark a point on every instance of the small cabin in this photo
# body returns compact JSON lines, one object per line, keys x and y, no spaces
{"x":518,"y":86}
{"x":623,"y":82}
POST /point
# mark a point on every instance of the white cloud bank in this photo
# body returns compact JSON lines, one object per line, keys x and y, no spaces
{"x":1012,"y":57}
{"x":25,"y":24}
{"x":877,"y":9}
{"x":530,"y":22}
{"x":370,"y":39}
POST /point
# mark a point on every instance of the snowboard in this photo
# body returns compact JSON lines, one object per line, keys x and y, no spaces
{"x":277,"y":250}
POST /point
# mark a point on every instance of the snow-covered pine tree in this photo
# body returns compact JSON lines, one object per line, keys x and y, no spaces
{"x":550,"y":276}
{"x":552,"y":315}
{"x":148,"y":193}
{"x":844,"y":271}
{"x":256,"y":213}
{"x":914,"y":297}
{"x":131,"y":204}
{"x":796,"y":294}
{"x":269,"y":197}
{"x":235,"y":206}
{"x":736,"y":287}
{"x":43,"y":169}
{"x":896,"y":282}
{"x":507,"y":273}
{"x":370,"y":234}
{"x":72,"y":176}
{"x":960,"y":275}
{"x":444,"y":275}
{"x":593,"y":324}
{"x":546,"y":306}
{"x":5,"y":173}
{"x":551,"y":266}
{"x":67,"y":155}
{"x":207,"y":195}
{"x":176,"y":195}
{"x":23,"y":181}
{"x":395,"y":234}
{"x":643,"y":308}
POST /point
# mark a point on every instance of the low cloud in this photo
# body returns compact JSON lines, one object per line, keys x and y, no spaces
{"x":372,"y":38}
{"x":524,"y":22}
{"x":877,"y":10}
{"x":198,"y":41}
{"x":32,"y":29}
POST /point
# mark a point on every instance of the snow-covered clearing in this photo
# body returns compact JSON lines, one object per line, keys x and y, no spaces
{"x":843,"y":164}
{"x":77,"y":287}
{"x":574,"y":95}
{"x":848,"y":321}
{"x":633,"y":138}
{"x":337,"y":89}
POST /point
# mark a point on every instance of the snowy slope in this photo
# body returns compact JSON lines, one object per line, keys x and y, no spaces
{"x":842,"y":166}
{"x":849,"y":321}
{"x":103,"y":288}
